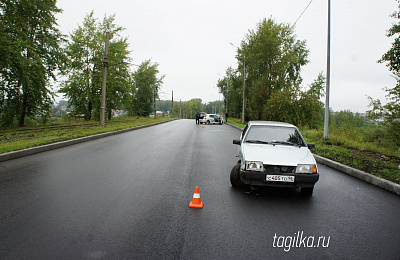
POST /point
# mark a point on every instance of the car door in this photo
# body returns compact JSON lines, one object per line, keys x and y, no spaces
{"x":212,"y":119}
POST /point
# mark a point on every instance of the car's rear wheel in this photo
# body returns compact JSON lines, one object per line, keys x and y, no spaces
{"x":308,"y":191}
{"x":235,"y":178}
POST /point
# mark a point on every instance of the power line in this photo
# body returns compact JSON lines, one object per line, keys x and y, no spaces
{"x":302,"y":13}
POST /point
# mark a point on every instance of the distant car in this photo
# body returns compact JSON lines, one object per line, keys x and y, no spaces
{"x":274,"y":154}
{"x":220,"y":119}
{"x":211,"y":119}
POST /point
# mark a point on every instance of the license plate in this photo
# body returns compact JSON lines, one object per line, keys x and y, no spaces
{"x":281,"y":178}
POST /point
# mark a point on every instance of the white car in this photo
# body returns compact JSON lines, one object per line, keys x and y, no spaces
{"x":211,"y":119}
{"x":274,"y":154}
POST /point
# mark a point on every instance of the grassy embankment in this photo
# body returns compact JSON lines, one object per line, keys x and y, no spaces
{"x":354,"y":148}
{"x":12,"y":139}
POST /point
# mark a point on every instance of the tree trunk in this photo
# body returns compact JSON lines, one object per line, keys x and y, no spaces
{"x":23,"y":113}
{"x":90,"y":107}
{"x":109,"y":114}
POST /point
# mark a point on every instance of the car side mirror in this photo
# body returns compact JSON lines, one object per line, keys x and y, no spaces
{"x":236,"y":141}
{"x":311,"y":146}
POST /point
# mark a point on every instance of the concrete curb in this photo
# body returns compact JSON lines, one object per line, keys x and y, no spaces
{"x":372,"y":179}
{"x":367,"y":177}
{"x":48,"y":147}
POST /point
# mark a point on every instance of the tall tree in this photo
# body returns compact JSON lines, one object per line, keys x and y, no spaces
{"x":147,"y":84}
{"x":273,"y":59}
{"x":231,"y":88}
{"x":84,"y":71}
{"x":30,"y":54}
{"x":391,"y":110}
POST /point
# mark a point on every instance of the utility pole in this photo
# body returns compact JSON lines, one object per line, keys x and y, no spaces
{"x":180,"y":108}
{"x":172,"y":110}
{"x":227,"y":90}
{"x":244,"y":85}
{"x":103,"y":85}
{"x":155,"y":115}
{"x":244,"y":80}
{"x":328,"y":75}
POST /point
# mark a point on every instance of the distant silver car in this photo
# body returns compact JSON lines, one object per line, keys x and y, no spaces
{"x":274,"y":154}
{"x":211,"y":119}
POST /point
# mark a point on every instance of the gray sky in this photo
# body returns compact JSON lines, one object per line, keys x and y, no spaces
{"x":189,"y":39}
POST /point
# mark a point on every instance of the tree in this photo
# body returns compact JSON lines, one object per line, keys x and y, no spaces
{"x":119,"y":77}
{"x":310,"y":107}
{"x":391,"y":110}
{"x":273,"y":59}
{"x":30,"y":54}
{"x":231,"y":89}
{"x":146,"y":85}
{"x":84,"y":70}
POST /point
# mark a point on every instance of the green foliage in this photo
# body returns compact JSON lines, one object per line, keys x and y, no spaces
{"x":85,"y":67}
{"x":16,"y":139}
{"x":272,"y":58}
{"x":146,"y":85}
{"x":213,"y":107}
{"x":391,"y":111}
{"x":120,"y":85}
{"x":353,"y":130}
{"x":188,"y":109}
{"x":376,"y":158}
{"x":30,"y":53}
{"x":164,"y":105}
{"x":231,"y":87}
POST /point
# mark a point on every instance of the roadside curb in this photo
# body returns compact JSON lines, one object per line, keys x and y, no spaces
{"x":48,"y":147}
{"x":367,"y":177}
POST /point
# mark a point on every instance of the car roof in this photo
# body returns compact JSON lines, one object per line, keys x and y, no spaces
{"x":270,"y":123}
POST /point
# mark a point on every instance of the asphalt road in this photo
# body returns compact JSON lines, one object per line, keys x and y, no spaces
{"x":127,"y":196}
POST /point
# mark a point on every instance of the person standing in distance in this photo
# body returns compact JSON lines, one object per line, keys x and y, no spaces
{"x":197,"y":118}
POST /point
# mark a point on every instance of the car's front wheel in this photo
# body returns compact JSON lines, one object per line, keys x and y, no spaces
{"x":235,"y":178}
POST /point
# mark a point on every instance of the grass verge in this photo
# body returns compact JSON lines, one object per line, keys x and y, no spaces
{"x":366,"y":157}
{"x":22,"y":138}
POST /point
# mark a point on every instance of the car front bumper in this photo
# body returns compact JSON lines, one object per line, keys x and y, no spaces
{"x":259,"y":179}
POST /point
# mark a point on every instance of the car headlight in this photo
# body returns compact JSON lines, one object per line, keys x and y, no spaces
{"x":254,"y":166}
{"x":306,"y":168}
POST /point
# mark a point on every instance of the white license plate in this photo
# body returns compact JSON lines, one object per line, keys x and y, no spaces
{"x":281,"y":178}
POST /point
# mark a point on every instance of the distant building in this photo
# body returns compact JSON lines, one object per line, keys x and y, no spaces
{"x":158,"y":114}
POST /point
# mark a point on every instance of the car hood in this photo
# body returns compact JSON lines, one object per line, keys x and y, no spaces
{"x":277,"y":154}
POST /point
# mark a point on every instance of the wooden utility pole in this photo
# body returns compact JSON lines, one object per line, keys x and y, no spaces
{"x":155,"y":115}
{"x":328,"y":75}
{"x":172,"y":110}
{"x":103,"y":85}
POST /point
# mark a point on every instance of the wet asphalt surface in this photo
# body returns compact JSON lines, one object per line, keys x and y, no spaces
{"x":127,"y":197}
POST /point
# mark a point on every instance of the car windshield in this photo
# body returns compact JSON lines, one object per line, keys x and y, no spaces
{"x":274,"y":135}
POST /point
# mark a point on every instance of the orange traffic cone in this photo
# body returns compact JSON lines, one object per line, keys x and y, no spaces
{"x":203,"y":126}
{"x":196,"y":201}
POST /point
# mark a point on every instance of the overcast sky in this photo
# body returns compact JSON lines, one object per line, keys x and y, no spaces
{"x":189,"y":39}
